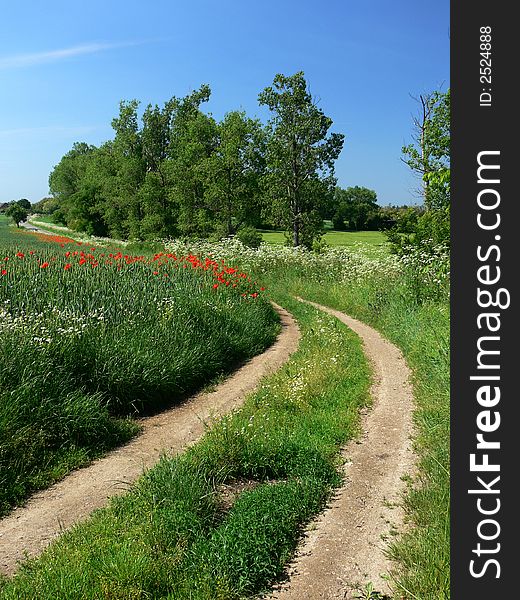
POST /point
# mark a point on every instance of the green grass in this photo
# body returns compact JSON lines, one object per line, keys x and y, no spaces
{"x":46,"y":219}
{"x":173,"y":536}
{"x":335,"y":238}
{"x":84,"y":348}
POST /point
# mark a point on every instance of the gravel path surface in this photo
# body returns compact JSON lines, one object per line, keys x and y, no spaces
{"x":344,"y":548}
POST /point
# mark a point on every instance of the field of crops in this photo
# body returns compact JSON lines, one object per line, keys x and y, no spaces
{"x":90,"y":336}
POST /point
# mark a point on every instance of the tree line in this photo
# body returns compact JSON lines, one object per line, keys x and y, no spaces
{"x":177,"y":171}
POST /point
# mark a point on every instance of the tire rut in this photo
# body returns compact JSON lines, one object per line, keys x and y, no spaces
{"x":27,"y":530}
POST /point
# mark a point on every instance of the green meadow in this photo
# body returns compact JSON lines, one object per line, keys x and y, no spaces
{"x":174,"y":535}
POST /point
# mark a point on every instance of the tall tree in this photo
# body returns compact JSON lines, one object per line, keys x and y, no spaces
{"x":429,"y":154}
{"x":159,"y":217}
{"x":193,"y":138}
{"x":234,"y":170}
{"x":300,"y":156}
{"x":127,"y":151}
{"x":429,"y":157}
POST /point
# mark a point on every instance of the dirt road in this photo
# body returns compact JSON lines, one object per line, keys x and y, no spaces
{"x":344,"y":548}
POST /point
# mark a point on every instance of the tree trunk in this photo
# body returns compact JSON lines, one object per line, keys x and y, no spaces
{"x":296,"y":231}
{"x":295,"y":203}
{"x":229,"y":206}
{"x":297,"y":224}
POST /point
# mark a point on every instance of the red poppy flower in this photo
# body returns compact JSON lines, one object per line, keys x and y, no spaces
{"x":67,"y":266}
{"x":4,"y":272}
{"x":44,"y":265}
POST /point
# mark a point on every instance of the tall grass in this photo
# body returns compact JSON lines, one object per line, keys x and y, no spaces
{"x":88,"y":338}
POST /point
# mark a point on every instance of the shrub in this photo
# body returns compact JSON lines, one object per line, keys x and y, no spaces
{"x":250,"y":237}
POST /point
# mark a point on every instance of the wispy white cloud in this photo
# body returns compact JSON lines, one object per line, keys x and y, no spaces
{"x":48,"y":130}
{"x":18,"y":61}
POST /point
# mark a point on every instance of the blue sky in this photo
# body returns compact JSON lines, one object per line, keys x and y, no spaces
{"x":65,"y":66}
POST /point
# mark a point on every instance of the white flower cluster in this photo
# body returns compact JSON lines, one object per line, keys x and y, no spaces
{"x":44,"y":327}
{"x":430,"y":263}
{"x":338,"y":263}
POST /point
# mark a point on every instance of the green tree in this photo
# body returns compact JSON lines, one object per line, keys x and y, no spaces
{"x":233,"y":172}
{"x":17,"y":213}
{"x":24,"y":203}
{"x":300,"y":156}
{"x":429,"y":154}
{"x":159,"y":215}
{"x":130,"y":167}
{"x":429,"y":157}
{"x":67,"y":183}
{"x":356,"y":209}
{"x":46,"y":206}
{"x":193,"y":138}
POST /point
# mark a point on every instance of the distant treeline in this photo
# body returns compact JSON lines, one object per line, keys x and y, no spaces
{"x":177,"y":171}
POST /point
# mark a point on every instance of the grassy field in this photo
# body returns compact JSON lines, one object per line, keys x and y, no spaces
{"x":334,"y":238}
{"x":90,"y":337}
{"x":175,"y":536}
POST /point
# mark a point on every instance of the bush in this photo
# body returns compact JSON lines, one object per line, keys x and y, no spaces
{"x":250,"y":237}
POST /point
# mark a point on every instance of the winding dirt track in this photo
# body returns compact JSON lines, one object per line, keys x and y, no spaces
{"x":344,"y":547}
{"x":29,"y":529}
